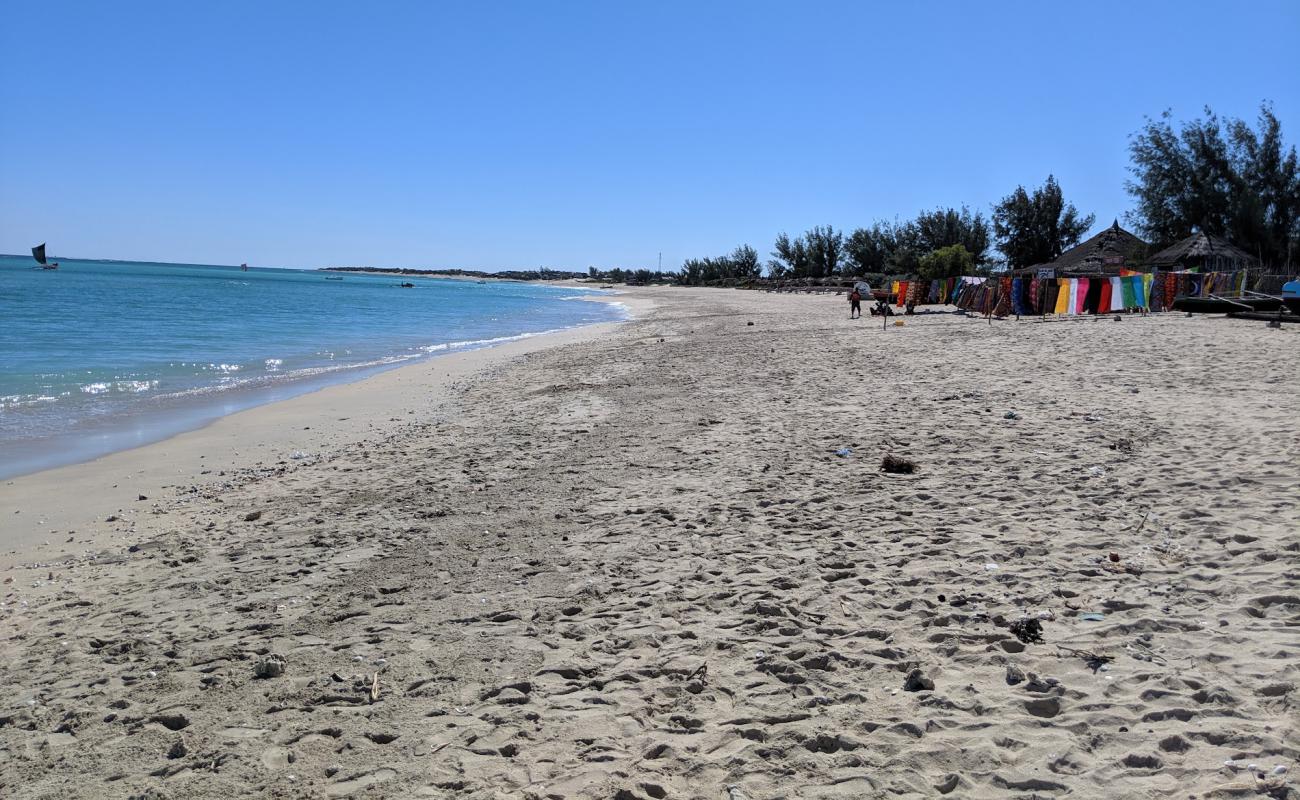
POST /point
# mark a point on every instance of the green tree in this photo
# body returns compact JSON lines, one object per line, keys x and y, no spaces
{"x":946,"y":262}
{"x":745,"y":263}
{"x":867,"y":250}
{"x":740,"y":266}
{"x":944,"y":227}
{"x":897,"y":247}
{"x":905,"y":258}
{"x":789,"y":258}
{"x":825,"y":247}
{"x":1036,"y":228}
{"x":1220,"y":177}
{"x":818,"y":253}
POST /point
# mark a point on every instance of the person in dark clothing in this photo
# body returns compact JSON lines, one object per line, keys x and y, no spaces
{"x":855,"y":304}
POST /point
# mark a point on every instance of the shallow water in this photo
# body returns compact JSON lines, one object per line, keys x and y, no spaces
{"x":102,"y":355}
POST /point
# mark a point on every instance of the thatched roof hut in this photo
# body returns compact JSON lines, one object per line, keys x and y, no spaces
{"x":1104,"y":254}
{"x":1210,"y":253}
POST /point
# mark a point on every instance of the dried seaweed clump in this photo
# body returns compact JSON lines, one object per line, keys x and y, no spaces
{"x":898,"y":466}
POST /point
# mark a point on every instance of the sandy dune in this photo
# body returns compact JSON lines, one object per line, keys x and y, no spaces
{"x":636,"y":567}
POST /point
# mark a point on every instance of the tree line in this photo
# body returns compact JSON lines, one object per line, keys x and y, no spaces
{"x":1217,"y":176}
{"x":1028,"y":227}
{"x":1221,"y":177}
{"x":540,"y":274}
{"x":632,"y":277}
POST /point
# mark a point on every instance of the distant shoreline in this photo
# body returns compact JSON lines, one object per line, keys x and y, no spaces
{"x":529,"y":276}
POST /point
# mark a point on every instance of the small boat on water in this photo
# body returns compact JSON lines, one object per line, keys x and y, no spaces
{"x":333,"y":277}
{"x":1291,"y":296}
{"x":1226,"y":305}
{"x":407,"y":285}
{"x":38,"y":253}
{"x":243,"y":268}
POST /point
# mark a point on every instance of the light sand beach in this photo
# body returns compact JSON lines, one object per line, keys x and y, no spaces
{"x":660,"y":560}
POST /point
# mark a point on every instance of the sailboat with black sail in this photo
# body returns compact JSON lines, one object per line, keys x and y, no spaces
{"x":38,"y":253}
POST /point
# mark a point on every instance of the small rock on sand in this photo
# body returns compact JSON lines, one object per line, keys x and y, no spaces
{"x":916,"y":681}
{"x":269,"y":666}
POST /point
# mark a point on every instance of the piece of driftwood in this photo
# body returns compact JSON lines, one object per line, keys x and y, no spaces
{"x":1093,"y":660}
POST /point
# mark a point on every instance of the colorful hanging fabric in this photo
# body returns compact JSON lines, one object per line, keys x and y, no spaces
{"x":1017,"y":297}
{"x":1139,"y":291}
{"x":1072,"y":304}
{"x":1062,"y":296}
{"x":970,"y":295}
{"x":1103,"y":302}
{"x":1032,"y":296}
{"x":1147,"y":280}
{"x":1002,"y":303}
{"x":1092,"y":304}
{"x":902,"y":293}
{"x":1116,"y":295}
{"x":1081,"y":297}
{"x":1171,"y":288}
{"x":1126,"y":289}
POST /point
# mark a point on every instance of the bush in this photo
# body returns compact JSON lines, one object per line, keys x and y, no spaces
{"x":946,"y":262}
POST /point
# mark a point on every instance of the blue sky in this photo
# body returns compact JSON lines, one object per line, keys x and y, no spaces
{"x":568,"y":134}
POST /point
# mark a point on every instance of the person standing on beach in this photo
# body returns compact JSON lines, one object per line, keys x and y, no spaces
{"x":855,"y":304}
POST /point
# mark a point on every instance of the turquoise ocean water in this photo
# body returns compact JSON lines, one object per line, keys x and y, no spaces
{"x":103,"y":355}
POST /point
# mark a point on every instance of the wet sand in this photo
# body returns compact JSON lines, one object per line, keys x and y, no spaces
{"x":662,"y":561}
